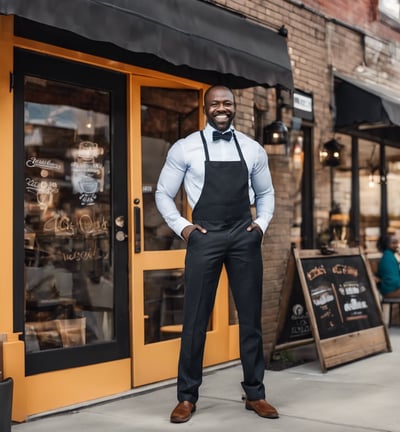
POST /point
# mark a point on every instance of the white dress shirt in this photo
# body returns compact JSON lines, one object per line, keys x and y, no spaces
{"x":185,"y":162}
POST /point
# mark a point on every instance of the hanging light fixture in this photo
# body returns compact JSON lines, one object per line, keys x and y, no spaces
{"x":371,"y":180}
{"x":330,"y":153}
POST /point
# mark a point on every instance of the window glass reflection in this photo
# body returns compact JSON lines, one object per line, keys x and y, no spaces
{"x":69,"y":294}
{"x":370,"y":195}
{"x":163,"y":304}
{"x":166,"y":115}
{"x":233,"y":314}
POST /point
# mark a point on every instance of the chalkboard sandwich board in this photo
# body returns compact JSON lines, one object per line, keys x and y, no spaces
{"x":332,"y":300}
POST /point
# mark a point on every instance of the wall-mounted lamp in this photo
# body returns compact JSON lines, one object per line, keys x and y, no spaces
{"x":330,"y":153}
{"x":276,"y":133}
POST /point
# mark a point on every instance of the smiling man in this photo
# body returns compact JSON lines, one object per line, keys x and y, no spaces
{"x":224,"y":172}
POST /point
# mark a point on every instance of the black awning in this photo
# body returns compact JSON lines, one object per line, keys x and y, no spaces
{"x":367,"y":111}
{"x":188,"y":34}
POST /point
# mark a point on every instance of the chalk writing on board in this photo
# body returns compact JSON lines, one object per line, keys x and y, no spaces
{"x":341,"y":294}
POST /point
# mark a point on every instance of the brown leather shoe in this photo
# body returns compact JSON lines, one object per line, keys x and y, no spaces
{"x":182,"y":412}
{"x":262,"y":408}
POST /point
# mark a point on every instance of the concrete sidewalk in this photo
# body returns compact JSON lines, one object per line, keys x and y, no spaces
{"x":360,"y":396}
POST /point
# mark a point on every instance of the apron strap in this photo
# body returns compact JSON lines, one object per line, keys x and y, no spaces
{"x":203,"y":138}
{"x":238,"y":147}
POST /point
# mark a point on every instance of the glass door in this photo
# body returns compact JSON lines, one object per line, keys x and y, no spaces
{"x":168,"y":111}
{"x":71,"y":252}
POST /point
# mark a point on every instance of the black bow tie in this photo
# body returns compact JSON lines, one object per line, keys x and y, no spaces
{"x":217,"y":135}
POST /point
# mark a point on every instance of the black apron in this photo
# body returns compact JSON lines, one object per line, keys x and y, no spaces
{"x":225,"y":195}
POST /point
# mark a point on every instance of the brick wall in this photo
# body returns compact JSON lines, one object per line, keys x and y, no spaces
{"x":276,"y":249}
{"x":324,"y":36}
{"x":276,"y":245}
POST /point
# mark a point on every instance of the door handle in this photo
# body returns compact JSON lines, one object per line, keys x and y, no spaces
{"x":137,"y":226}
{"x":120,"y":235}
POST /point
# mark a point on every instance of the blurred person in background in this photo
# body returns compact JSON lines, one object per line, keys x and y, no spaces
{"x":388,"y":267}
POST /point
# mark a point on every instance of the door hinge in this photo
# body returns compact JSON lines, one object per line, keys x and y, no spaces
{"x":11,"y":82}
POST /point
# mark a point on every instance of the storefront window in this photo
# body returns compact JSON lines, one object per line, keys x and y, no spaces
{"x":370,"y":195}
{"x":163,"y":304}
{"x":166,"y":116}
{"x":69,"y":293}
{"x":393,"y":188}
{"x":296,"y":166}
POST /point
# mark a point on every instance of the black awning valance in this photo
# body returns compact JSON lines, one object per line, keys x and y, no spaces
{"x":188,"y":34}
{"x":367,"y":111}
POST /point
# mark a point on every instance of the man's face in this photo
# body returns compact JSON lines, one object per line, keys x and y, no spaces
{"x":219,"y":108}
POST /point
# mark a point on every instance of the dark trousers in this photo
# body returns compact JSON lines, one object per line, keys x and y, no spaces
{"x":240,"y":251}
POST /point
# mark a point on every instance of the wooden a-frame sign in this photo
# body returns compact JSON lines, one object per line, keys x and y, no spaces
{"x":332,"y":300}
